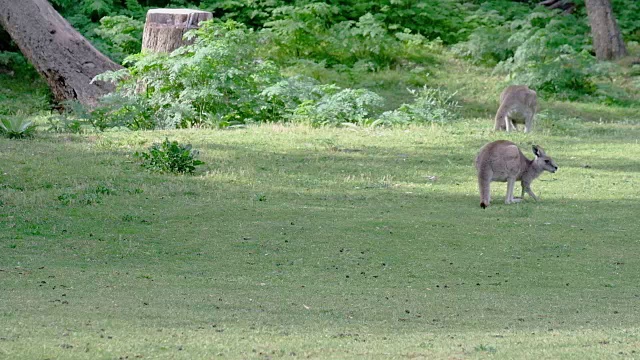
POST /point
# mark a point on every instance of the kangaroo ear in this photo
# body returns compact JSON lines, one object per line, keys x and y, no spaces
{"x":537,"y":151}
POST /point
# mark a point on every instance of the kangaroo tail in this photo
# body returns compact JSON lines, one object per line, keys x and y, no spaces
{"x":501,"y":115}
{"x":485,"y":190}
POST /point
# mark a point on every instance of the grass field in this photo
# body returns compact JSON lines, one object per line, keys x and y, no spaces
{"x":293,"y":242}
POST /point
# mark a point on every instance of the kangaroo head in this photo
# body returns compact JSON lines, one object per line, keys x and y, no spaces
{"x":543,"y":161}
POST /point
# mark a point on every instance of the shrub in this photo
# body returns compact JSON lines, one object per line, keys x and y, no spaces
{"x":486,"y":45}
{"x":339,"y":107}
{"x":122,"y":34}
{"x":217,"y":79}
{"x":562,"y":71}
{"x":300,"y":31}
{"x":549,"y":53}
{"x":170,"y":156}
{"x":430,"y":105}
{"x":309,"y":32}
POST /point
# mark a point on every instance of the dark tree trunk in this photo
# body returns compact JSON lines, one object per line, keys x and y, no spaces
{"x":567,"y":6}
{"x":607,"y":39}
{"x":164,"y":29}
{"x":61,"y":54}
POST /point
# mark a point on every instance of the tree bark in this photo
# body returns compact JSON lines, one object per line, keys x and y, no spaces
{"x":164,"y":29}
{"x":607,"y":39}
{"x":567,"y":6}
{"x":66,"y":60}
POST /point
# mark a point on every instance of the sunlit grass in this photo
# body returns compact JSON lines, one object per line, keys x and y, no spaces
{"x":294,"y":242}
{"x":324,"y":243}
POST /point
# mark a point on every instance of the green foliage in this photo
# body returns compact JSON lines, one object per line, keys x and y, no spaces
{"x":430,"y":105}
{"x":11,"y":59}
{"x":64,"y":124}
{"x":498,"y":39}
{"x":232,"y":75}
{"x":550,"y":53}
{"x":310,"y":32}
{"x":90,"y":196}
{"x":16,"y":127}
{"x":16,"y":64}
{"x":340,"y":107}
{"x":170,"y":157}
{"x":366,"y":40}
{"x":300,"y":31}
{"x":122,"y":34}
{"x":626,"y":13}
{"x":216,"y":80}
{"x":549,"y":66}
{"x":96,"y":9}
{"x":220,"y":80}
{"x":434,"y":19}
{"x":486,"y":45}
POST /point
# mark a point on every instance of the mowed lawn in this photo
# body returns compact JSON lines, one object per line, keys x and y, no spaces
{"x":294,"y":242}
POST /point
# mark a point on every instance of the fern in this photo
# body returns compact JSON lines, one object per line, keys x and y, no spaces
{"x":96,"y":8}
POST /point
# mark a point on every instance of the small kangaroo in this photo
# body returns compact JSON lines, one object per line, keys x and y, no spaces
{"x":502,"y":161}
{"x":518,"y":104}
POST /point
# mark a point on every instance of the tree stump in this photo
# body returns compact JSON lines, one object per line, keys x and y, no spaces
{"x":164,"y":29}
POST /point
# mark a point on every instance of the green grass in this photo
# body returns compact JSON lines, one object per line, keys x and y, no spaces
{"x":23,"y":94}
{"x":294,"y":242}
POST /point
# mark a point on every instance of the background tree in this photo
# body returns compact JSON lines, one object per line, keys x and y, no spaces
{"x":607,"y":39}
{"x":59,"y":53}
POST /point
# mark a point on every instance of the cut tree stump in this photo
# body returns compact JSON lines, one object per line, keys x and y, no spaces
{"x":164,"y":29}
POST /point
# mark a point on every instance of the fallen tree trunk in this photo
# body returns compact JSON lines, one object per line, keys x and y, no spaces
{"x":164,"y":29}
{"x":59,"y":53}
{"x":567,"y":6}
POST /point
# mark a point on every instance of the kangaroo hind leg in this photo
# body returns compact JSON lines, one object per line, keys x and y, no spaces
{"x":511,"y":182}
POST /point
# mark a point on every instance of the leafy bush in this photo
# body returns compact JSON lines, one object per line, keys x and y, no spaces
{"x":486,"y":45}
{"x":220,"y":80}
{"x":300,"y":32}
{"x":310,"y":32}
{"x":434,"y":19}
{"x":253,"y":13}
{"x":16,"y":127}
{"x":122,"y":34}
{"x":170,"y":156}
{"x":550,"y":53}
{"x":216,"y":80}
{"x":550,"y":70}
{"x":339,"y":107}
{"x":64,"y":124}
{"x":365,"y":41}
{"x":430,"y":105}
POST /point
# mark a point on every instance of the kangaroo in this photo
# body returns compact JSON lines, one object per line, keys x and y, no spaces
{"x":502,"y":161}
{"x":518,"y":104}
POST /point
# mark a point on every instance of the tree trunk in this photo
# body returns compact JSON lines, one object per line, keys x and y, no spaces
{"x":607,"y":39}
{"x":567,"y":6}
{"x":61,"y":54}
{"x":164,"y":29}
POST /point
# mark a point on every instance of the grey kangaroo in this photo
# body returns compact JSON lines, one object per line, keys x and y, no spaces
{"x":502,"y":161}
{"x":518,"y":105}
